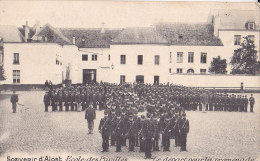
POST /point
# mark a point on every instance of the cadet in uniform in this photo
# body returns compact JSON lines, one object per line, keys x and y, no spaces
{"x":46,"y":101}
{"x":147,"y":136}
{"x":90,"y":116}
{"x":119,"y":127}
{"x":252,"y":102}
{"x":104,"y":129}
{"x":131,"y":131}
{"x":183,"y":130}
{"x":14,"y":99}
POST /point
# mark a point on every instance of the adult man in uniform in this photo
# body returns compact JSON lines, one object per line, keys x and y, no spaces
{"x":183,"y":130}
{"x":104,"y":129}
{"x":119,"y":127}
{"x":14,"y":99}
{"x":252,"y":102}
{"x":147,"y":134}
{"x":131,"y":130}
{"x":166,"y":130}
{"x":90,"y":116}
{"x":46,"y":101}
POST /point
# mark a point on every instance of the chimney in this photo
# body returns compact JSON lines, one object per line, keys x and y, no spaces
{"x":26,"y":32}
{"x":37,"y":26}
{"x":103,"y":28}
{"x":73,"y":40}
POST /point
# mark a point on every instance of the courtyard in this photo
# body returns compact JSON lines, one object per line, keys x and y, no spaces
{"x":31,"y":132}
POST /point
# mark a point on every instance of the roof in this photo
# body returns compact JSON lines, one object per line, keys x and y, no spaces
{"x":140,"y":35}
{"x":237,"y":19}
{"x":54,"y":35}
{"x":167,"y":34}
{"x":10,"y":34}
{"x":189,"y":34}
{"x":90,"y":38}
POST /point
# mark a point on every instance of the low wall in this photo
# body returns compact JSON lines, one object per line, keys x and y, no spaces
{"x":216,"y":81}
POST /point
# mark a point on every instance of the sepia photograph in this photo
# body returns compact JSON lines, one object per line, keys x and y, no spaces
{"x":129,"y":80}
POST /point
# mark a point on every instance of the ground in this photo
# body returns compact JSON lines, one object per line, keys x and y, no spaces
{"x":31,"y":132}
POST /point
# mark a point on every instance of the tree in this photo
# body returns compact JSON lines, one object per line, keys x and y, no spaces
{"x":244,"y":59}
{"x":2,"y":73}
{"x":218,"y":66}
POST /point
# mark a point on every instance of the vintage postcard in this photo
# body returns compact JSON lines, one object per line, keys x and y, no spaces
{"x":129,"y":80}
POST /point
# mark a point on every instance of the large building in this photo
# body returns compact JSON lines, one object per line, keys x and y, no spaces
{"x":153,"y":54}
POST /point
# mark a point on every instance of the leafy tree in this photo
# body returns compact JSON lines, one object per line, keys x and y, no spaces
{"x":244,"y":59}
{"x":2,"y":73}
{"x":218,"y":66}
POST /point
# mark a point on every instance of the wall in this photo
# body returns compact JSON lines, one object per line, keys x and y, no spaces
{"x":102,"y":65}
{"x":37,"y":62}
{"x":215,"y":80}
{"x":70,"y":58}
{"x":131,"y":69}
{"x":212,"y":51}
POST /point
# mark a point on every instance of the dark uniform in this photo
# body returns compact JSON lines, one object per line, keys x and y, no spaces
{"x":131,"y":132}
{"x":252,"y":102}
{"x":90,"y":115}
{"x":46,"y":101}
{"x":104,"y":129}
{"x":166,"y":131}
{"x":119,"y":127}
{"x":14,"y":99}
{"x":183,"y":130}
{"x":147,"y":134}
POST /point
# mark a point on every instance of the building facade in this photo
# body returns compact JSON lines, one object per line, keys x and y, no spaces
{"x":153,"y":54}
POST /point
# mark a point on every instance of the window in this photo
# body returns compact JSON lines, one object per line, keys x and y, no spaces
{"x":16,"y":76}
{"x":157,"y":59}
{"x":170,"y":70}
{"x":170,"y":57}
{"x":252,"y":38}
{"x":84,"y":57}
{"x":251,"y":26}
{"x":202,"y":71}
{"x":94,"y":57}
{"x":122,"y":79}
{"x":16,"y":58}
{"x":179,"y":70}
{"x":108,"y":57}
{"x":190,"y":71}
{"x":190,"y":57}
{"x":83,"y":41}
{"x":203,"y":58}
{"x":179,"y":57}
{"x":140,"y":59}
{"x":122,"y":59}
{"x":237,"y":39}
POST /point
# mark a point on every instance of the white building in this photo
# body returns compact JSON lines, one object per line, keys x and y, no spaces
{"x":154,"y":54}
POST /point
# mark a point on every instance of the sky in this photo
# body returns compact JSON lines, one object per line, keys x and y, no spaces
{"x":114,"y":14}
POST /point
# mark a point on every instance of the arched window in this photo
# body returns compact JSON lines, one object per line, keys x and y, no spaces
{"x":190,"y":71}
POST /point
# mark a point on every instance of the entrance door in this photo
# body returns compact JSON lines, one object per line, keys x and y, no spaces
{"x":140,"y":79}
{"x":156,"y":80}
{"x":89,"y":75}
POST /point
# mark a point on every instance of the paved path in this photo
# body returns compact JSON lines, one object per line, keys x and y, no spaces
{"x":33,"y":132}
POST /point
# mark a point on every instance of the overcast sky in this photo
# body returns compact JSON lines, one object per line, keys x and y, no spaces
{"x":83,"y":14}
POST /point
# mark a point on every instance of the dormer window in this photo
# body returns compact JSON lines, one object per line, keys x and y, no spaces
{"x":83,"y":41}
{"x":250,"y":25}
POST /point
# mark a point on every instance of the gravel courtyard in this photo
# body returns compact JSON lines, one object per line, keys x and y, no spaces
{"x":32,"y":132}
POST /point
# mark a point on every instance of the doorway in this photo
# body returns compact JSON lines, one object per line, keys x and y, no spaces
{"x":156,"y":80}
{"x":89,"y":75}
{"x":140,"y":79}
